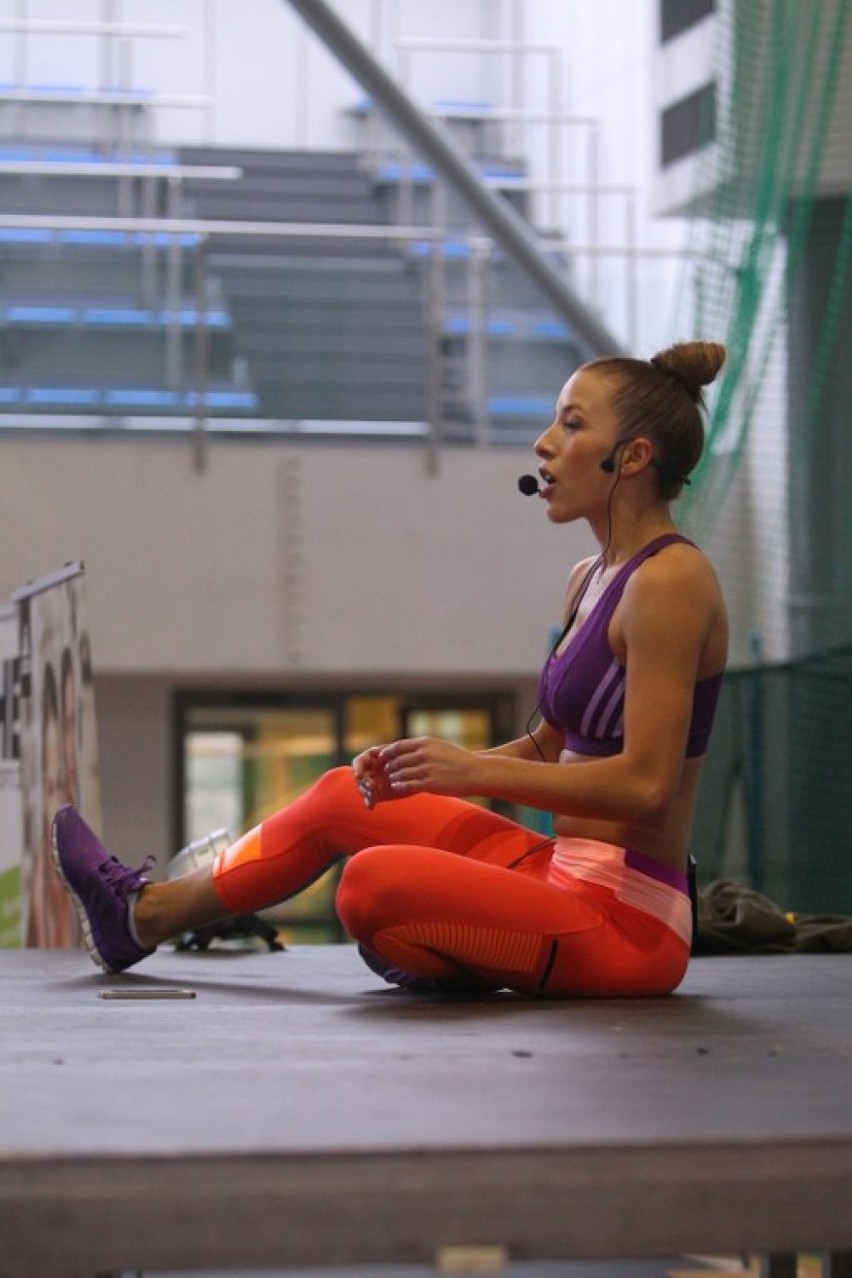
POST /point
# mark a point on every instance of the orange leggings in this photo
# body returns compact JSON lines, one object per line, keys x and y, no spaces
{"x":447,"y":890}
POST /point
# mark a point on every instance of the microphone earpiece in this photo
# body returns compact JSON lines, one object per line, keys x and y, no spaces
{"x":528,"y":485}
{"x":608,"y":465}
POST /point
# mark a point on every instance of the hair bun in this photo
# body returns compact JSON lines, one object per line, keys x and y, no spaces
{"x":693,"y":364}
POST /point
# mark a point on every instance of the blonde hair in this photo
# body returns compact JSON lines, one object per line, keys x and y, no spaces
{"x":662,"y":398}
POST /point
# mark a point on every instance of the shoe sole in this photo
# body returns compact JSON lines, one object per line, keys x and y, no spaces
{"x":88,"y":939}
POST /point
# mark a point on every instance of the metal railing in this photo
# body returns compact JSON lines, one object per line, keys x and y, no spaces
{"x":409,"y":127}
{"x":517,"y":111}
{"x":115,"y":78}
{"x":144,"y":174}
{"x":168,"y":234}
{"x":168,"y":237}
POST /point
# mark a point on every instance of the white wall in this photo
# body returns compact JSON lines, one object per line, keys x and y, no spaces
{"x":135,"y":754}
{"x":284,"y":559}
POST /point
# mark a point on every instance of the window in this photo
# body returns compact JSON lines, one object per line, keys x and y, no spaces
{"x":678,"y":15}
{"x":688,"y":125}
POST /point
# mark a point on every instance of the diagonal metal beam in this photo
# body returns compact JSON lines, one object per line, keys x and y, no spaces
{"x":508,"y":227}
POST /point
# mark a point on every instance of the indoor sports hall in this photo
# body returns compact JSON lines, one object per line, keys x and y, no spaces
{"x":288,"y":293}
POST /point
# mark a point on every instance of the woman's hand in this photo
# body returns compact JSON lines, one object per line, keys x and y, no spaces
{"x":427,"y":765}
{"x":370,"y":777}
{"x":416,"y":765}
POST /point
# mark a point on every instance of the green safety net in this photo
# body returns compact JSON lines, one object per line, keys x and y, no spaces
{"x":770,"y":273}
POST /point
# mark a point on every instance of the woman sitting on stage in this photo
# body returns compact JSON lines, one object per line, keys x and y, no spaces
{"x":441,"y":893}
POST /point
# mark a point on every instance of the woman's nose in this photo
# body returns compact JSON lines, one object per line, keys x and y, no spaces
{"x":543,"y":446}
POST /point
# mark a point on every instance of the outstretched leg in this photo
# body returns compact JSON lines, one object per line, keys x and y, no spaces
{"x":125,"y":916}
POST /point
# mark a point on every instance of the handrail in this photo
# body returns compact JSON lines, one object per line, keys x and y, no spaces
{"x":204,"y":229}
{"x":46,"y":26}
{"x":460,"y":111}
{"x":103,"y":97}
{"x":114,"y":168}
{"x":440,"y":45}
{"x":215,"y":226}
{"x":293,"y":230}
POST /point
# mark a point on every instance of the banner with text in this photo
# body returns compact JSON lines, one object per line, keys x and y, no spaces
{"x":58,"y":741}
{"x":11,"y":813}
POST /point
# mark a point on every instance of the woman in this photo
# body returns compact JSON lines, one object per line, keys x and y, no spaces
{"x":441,"y":893}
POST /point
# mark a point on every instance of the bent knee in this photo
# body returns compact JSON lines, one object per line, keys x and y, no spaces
{"x":374,"y":891}
{"x":336,"y":784}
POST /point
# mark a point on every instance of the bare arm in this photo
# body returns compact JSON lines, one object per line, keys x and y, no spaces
{"x":374,"y":779}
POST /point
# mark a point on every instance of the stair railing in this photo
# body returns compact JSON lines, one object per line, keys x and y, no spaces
{"x":178,"y":229}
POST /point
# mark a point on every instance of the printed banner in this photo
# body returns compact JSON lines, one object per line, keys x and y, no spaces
{"x":11,"y":815}
{"x":58,"y":741}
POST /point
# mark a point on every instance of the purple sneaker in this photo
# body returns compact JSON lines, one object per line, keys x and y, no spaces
{"x":99,"y":885}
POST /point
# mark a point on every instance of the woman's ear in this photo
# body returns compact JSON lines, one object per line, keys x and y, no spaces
{"x":638,"y":454}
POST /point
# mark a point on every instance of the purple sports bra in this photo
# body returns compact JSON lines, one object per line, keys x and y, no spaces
{"x":581,"y":690}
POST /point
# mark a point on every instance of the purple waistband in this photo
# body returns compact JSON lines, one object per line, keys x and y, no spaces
{"x":656,"y":870}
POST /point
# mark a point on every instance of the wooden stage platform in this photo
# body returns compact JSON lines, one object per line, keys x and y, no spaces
{"x":298,"y":1113}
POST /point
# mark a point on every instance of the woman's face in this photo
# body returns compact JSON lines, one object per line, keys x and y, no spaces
{"x":582,"y":434}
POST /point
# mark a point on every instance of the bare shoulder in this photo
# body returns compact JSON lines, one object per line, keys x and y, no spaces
{"x":578,"y":575}
{"x":675,"y":598}
{"x":679,"y":567}
{"x":581,"y":567}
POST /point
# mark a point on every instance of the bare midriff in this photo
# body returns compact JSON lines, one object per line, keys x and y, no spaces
{"x":667,"y":843}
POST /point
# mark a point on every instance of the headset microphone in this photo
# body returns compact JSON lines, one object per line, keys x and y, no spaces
{"x":608,"y":465}
{"x":528,"y":485}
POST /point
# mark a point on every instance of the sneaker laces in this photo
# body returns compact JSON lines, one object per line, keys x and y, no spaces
{"x":122,"y":879}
